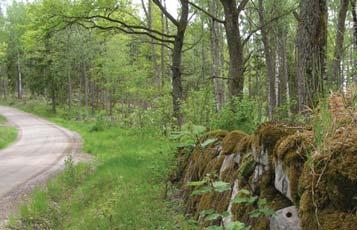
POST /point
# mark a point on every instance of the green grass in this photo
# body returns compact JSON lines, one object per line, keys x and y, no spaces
{"x":122,"y":189}
{"x":8,"y":133}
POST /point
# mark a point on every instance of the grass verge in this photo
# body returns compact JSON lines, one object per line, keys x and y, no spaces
{"x":8,"y":133}
{"x":122,"y":189}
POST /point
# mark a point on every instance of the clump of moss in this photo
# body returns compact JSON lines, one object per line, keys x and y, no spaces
{"x":219,"y":133}
{"x":329,"y":219}
{"x":328,"y":182}
{"x":267,"y":190}
{"x":246,"y":169}
{"x":214,"y":165}
{"x":230,"y":141}
{"x":292,"y":151}
{"x":244,"y":145}
{"x":268,"y":134}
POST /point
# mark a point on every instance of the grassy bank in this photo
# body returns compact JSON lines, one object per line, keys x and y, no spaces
{"x":122,"y":189}
{"x":8,"y":133}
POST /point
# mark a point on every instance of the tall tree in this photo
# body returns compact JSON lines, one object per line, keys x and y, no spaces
{"x":232,"y":14}
{"x":340,"y":34}
{"x":218,"y":83}
{"x":181,"y":26}
{"x":311,"y":48}
{"x":269,"y":56}
{"x":354,"y":18}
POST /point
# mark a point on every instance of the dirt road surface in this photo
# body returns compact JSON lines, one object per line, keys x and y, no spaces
{"x":38,"y":154}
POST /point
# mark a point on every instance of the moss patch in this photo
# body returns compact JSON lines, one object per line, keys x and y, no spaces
{"x":231,"y":140}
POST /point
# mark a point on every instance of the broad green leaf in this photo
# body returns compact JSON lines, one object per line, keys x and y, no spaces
{"x":260,"y":212}
{"x":208,"y":142}
{"x":207,"y":212}
{"x":236,"y":225}
{"x":221,"y":186}
{"x":197,"y":183}
{"x":203,"y":190}
{"x":214,"y":227}
{"x":244,"y":200}
{"x":198,"y":129}
{"x":225,"y":214}
{"x":213,"y":216}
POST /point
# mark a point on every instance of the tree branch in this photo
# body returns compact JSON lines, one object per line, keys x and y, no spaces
{"x":206,"y":12}
{"x":267,"y":23}
{"x":137,"y":27}
{"x":93,"y":24}
{"x":242,"y":5}
{"x":167,"y":14}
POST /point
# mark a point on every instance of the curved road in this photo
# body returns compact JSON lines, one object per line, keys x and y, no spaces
{"x":38,"y":154}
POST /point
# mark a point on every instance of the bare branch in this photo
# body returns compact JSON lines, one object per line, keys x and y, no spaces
{"x":167,"y":14}
{"x":206,"y":12}
{"x":194,"y":44}
{"x":267,"y":24}
{"x":242,"y":5}
{"x":93,"y":24}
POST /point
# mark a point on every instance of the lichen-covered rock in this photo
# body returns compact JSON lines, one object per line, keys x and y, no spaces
{"x":285,"y":219}
{"x":282,"y":164}
{"x":282,"y":182}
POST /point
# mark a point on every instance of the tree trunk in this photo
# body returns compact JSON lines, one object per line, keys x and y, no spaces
{"x":235,"y":48}
{"x":86,"y":88}
{"x":354,"y":18}
{"x":218,"y":84}
{"x":311,"y":45}
{"x":354,"y":32}
{"x":286,"y":74}
{"x":177,"y":93}
{"x":269,"y":63}
{"x":338,"y":53}
{"x":162,"y":64}
{"x":69,"y":79}
{"x":19,"y":79}
{"x":203,"y":54}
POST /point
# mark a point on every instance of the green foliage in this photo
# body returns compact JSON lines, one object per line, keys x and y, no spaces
{"x":238,"y":115}
{"x":209,"y":184}
{"x":8,"y":133}
{"x":189,"y":135}
{"x":244,"y":197}
{"x":122,"y":188}
{"x":322,"y":124}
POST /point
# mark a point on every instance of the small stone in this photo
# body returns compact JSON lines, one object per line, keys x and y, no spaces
{"x":285,"y":219}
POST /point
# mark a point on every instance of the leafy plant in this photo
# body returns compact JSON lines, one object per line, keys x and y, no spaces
{"x":244,"y":197}
{"x":189,"y":135}
{"x":240,"y":114}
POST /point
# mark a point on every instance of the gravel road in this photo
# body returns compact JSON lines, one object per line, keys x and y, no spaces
{"x":38,"y":154}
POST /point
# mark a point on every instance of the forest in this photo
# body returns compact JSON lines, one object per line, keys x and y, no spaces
{"x":154,"y":76}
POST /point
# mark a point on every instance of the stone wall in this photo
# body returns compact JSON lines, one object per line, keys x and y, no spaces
{"x":306,"y":188}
